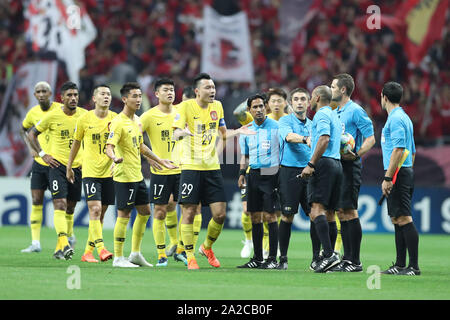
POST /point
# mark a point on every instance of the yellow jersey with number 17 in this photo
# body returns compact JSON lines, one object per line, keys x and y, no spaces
{"x":126,"y":136}
{"x":60,"y":128}
{"x":31,"y":119}
{"x":198,"y":152}
{"x":94,"y":132}
{"x":158,"y":126}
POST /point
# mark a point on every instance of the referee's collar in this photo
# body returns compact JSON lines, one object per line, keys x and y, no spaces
{"x":345,"y":105}
{"x":262,"y":124}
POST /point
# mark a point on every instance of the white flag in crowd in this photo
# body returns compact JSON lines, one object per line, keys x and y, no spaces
{"x":226,"y":49}
{"x":62,"y":27}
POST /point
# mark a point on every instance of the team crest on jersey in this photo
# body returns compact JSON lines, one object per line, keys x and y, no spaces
{"x":213,"y":115}
{"x":111,"y":134}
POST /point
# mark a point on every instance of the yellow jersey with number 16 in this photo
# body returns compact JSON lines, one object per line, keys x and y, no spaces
{"x":94,"y":132}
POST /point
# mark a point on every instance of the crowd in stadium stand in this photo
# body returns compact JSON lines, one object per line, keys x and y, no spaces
{"x":156,"y":38}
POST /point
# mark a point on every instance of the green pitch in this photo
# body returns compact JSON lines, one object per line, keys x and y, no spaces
{"x":39,"y":276}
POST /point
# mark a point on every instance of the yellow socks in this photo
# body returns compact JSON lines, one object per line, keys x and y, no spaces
{"x":90,"y":245}
{"x":180,"y":245}
{"x":247,"y":226}
{"x":36,"y":222}
{"x":120,"y":233}
{"x":197,"y":226}
{"x":187,"y":234}
{"x":171,"y":225}
{"x":97,"y":234}
{"x":59,"y":220}
{"x":138,"y":232}
{"x":159,"y":234}
{"x":214,"y":230}
{"x":338,"y":244}
{"x":266,"y":237}
{"x":69,"y":219}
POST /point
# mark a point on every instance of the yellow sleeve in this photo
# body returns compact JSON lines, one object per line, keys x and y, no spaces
{"x":44,"y":123}
{"x":248,"y":119}
{"x":114,"y":134}
{"x":28,"y":121}
{"x":180,"y":117}
{"x":79,"y":129}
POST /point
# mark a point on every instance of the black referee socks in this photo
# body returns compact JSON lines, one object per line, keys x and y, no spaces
{"x":400,"y":247}
{"x":322,"y":230}
{"x":412,"y":243}
{"x":257,"y":236}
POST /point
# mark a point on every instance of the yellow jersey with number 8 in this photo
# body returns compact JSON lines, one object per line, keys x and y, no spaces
{"x":61,"y":128}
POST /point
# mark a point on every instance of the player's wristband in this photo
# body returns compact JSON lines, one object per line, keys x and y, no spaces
{"x":311,"y":165}
{"x":389,"y":179}
{"x":242,"y":172}
{"x":305,"y":139}
{"x":357,"y":156}
{"x":42,"y":153}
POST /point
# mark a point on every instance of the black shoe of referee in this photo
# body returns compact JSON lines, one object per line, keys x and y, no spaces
{"x":269,"y":263}
{"x":283,"y":264}
{"x":327,"y":263}
{"x":409,"y":271}
{"x":252,"y":264}
{"x":393,"y":269}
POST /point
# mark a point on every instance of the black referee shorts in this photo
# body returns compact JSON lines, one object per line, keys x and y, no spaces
{"x":399,"y":200}
{"x":324,"y":186}
{"x":261,"y":191}
{"x":39,"y":176}
{"x":293,"y":191}
{"x":351,"y":184}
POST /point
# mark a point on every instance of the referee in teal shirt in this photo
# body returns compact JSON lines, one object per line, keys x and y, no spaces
{"x":397,"y":137}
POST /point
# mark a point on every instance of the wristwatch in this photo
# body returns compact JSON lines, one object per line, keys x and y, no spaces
{"x":305,"y":139}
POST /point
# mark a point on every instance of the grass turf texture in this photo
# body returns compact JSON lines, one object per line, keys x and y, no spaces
{"x":39,"y":276}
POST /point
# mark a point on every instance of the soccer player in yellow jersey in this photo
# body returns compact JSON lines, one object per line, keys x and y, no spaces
{"x":39,"y":170}
{"x":198,"y":122}
{"x":60,"y":124}
{"x":125,"y":146}
{"x":164,"y":184}
{"x":92,"y":130}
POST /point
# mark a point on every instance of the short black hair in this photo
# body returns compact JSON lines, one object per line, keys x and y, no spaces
{"x":189,"y":92}
{"x":127,"y":87}
{"x":393,"y":91}
{"x":254,"y":97}
{"x":101,"y":85}
{"x":163,"y":81}
{"x":345,"y":80}
{"x":276,"y":91}
{"x":302,"y":90}
{"x":200,"y":77}
{"x":68,"y":86}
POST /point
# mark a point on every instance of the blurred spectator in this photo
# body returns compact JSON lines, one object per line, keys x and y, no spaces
{"x":147,"y":39}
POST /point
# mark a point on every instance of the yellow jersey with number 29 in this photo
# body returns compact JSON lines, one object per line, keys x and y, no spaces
{"x":198,"y":152}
